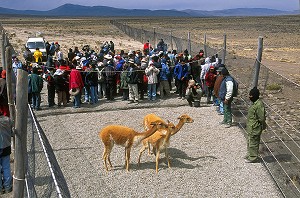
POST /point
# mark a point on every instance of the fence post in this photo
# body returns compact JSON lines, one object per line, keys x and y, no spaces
{"x":189,"y":43}
{"x":171,"y":35}
{"x":20,"y":133}
{"x":205,"y":49}
{"x":258,"y":61}
{"x":154,"y":38}
{"x":224,"y":50}
{"x":2,"y":49}
{"x":10,"y":82}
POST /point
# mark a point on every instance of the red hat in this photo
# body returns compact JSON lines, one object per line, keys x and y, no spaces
{"x":211,"y":67}
{"x":56,"y":42}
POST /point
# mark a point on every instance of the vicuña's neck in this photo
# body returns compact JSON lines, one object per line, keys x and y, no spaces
{"x":178,"y":127}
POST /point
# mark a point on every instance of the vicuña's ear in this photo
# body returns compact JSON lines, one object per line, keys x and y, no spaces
{"x":168,"y":121}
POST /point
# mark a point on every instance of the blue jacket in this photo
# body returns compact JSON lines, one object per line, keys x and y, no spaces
{"x":180,"y":71}
{"x":164,"y":73}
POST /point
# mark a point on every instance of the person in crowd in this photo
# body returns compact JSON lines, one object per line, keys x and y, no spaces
{"x":123,"y":83}
{"x":164,"y":86}
{"x":27,"y":55}
{"x":86,"y":82}
{"x":92,"y":78}
{"x":50,"y":86}
{"x":210,"y":79}
{"x":204,"y":70}
{"x":37,"y":55}
{"x":147,"y":47}
{"x":132,"y":80}
{"x":161,"y":46}
{"x":59,"y":55}
{"x":193,"y":92}
{"x":101,"y":80}
{"x":47,"y":44}
{"x":217,"y":85}
{"x":256,"y":123}
{"x":60,"y":87}
{"x":71,"y":55}
{"x":5,"y":151}
{"x":4,"y":108}
{"x":110,"y":77}
{"x":181,"y":74}
{"x":17,"y":64}
{"x":36,"y":83}
{"x":151,"y":71}
{"x":225,"y":94}
{"x":57,"y":46}
{"x":52,"y":49}
{"x":76,"y":85}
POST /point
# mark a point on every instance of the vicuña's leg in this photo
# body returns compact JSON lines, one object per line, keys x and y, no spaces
{"x":149,"y":151}
{"x":141,"y":152}
{"x":127,"y":158}
{"x":168,"y":159}
{"x":157,"y":159}
{"x":104,"y":156}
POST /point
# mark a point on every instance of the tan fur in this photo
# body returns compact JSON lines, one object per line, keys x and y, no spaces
{"x":124,"y":136}
{"x":156,"y":139}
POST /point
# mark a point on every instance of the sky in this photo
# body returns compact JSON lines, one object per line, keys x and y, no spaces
{"x":286,"y":5}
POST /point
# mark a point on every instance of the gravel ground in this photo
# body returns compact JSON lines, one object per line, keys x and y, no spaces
{"x":206,"y":158}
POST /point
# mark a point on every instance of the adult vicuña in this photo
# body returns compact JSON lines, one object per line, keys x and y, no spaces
{"x":161,"y":134}
{"x":125,"y":136}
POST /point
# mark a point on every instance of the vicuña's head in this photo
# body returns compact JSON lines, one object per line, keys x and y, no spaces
{"x":186,"y":118}
{"x":171,"y":126}
{"x":159,"y":124}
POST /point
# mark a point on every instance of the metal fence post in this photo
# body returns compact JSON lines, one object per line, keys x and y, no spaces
{"x":20,"y":133}
{"x":224,"y":50}
{"x":258,"y":61}
{"x":189,"y":42}
{"x":171,"y":35}
{"x":205,"y":48}
{"x":154,"y":38}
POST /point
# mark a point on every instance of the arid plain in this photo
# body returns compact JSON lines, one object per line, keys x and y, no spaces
{"x":281,"y":35}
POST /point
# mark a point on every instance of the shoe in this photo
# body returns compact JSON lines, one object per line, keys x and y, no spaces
{"x":130,"y":102}
{"x":257,"y":160}
{"x":227,"y":125}
{"x":183,"y":98}
{"x":222,"y":122}
{"x":179,"y":97}
{"x":136,"y":101}
{"x":220,"y":113}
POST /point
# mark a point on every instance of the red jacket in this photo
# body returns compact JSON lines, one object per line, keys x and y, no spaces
{"x":210,"y":79}
{"x":75,"y":80}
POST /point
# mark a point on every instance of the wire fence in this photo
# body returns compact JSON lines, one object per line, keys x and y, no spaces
{"x":44,"y":177}
{"x":279,"y":148}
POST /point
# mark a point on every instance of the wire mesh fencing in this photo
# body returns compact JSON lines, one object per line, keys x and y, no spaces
{"x":44,"y":177}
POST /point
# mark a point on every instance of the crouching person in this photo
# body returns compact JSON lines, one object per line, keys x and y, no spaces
{"x":5,"y":151}
{"x":193,"y":93}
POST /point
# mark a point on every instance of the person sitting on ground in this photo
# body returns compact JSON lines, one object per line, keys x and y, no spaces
{"x":193,"y":92}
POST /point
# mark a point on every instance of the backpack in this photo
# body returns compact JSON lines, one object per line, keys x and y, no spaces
{"x":235,"y":91}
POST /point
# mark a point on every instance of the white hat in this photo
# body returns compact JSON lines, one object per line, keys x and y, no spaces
{"x":78,"y":67}
{"x":77,"y":57}
{"x":108,"y":56}
{"x":58,"y":72}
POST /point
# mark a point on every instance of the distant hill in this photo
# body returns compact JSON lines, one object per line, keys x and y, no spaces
{"x":78,"y":10}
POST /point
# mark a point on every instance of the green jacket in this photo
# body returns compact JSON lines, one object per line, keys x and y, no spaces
{"x":36,"y":83}
{"x":256,"y":120}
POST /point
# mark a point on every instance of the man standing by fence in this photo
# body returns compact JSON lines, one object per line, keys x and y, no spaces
{"x":256,"y":123}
